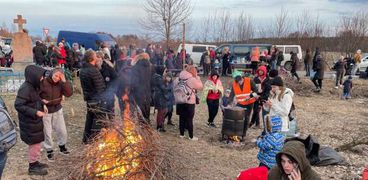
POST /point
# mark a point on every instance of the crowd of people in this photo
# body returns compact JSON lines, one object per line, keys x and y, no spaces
{"x":152,"y":77}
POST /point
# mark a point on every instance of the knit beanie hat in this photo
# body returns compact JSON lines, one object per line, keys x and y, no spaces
{"x":274,"y":73}
{"x":276,"y":123}
{"x":277,"y":81}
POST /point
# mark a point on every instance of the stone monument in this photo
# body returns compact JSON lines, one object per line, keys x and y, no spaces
{"x":22,"y":46}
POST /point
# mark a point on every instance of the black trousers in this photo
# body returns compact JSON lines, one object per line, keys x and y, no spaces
{"x":317,"y":82}
{"x":213,"y":106}
{"x":95,"y":121}
{"x":225,"y":69}
{"x":169,"y":115}
{"x":293,"y":73}
{"x":186,"y":115}
{"x":248,"y":111}
{"x":339,"y":77}
{"x":206,"y":69}
{"x":255,"y":116}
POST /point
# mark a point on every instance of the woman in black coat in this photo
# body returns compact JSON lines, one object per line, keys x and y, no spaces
{"x":294,"y":65}
{"x":30,"y":112}
{"x":160,"y":96}
{"x":318,"y":67}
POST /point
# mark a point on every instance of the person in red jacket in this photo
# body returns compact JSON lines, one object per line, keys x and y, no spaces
{"x":62,"y":53}
{"x":213,"y":90}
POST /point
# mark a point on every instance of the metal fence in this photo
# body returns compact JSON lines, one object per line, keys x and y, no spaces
{"x":10,"y":81}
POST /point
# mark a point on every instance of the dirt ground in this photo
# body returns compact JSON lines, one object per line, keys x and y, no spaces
{"x":333,"y":121}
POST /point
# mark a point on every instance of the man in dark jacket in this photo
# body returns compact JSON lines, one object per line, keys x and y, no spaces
{"x":93,"y":86}
{"x":307,"y":62}
{"x":30,"y":112}
{"x":318,"y":67}
{"x":140,"y":86}
{"x":53,"y":88}
{"x":39,"y":53}
{"x":340,"y":71}
{"x":294,"y":65}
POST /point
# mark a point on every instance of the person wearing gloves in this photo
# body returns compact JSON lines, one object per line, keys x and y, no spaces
{"x":243,"y":94}
{"x":280,"y":102}
{"x":212,"y":92}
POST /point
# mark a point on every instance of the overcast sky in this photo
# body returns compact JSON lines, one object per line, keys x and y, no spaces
{"x":121,"y":16}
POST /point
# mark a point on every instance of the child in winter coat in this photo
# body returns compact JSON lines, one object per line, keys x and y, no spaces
{"x":271,"y":143}
{"x":171,"y":102}
{"x":348,"y":85}
{"x":225,"y":100}
{"x":30,"y":113}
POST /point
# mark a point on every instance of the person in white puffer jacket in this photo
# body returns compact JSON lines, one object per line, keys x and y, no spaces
{"x":280,"y":102}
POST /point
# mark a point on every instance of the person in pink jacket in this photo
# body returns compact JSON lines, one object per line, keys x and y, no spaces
{"x":186,"y":111}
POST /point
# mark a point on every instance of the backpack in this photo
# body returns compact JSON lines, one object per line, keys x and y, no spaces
{"x":8,"y":134}
{"x":182,"y":92}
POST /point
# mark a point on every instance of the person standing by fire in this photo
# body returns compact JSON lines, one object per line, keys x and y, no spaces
{"x":93,"y":86}
{"x":243,"y":94}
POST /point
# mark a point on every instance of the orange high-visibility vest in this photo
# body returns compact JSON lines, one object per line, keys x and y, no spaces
{"x":243,"y":96}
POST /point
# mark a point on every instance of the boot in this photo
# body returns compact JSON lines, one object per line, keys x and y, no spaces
{"x":36,"y":169}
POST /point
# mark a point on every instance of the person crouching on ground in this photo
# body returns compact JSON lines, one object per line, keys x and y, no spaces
{"x":186,"y":111}
{"x":53,"y":88}
{"x":292,"y":163}
{"x":348,"y":86}
{"x":280,"y":102}
{"x":160,"y":97}
{"x":270,"y":144}
{"x":213,"y":90}
{"x":30,"y":112}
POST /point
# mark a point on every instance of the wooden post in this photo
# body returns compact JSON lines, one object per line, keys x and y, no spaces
{"x":183,"y":45}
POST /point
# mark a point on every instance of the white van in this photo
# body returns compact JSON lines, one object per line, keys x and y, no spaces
{"x":286,"y":49}
{"x":196,"y":50}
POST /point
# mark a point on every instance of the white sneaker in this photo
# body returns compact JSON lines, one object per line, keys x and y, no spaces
{"x":182,"y":137}
{"x":336,"y":87}
{"x":193,"y":138}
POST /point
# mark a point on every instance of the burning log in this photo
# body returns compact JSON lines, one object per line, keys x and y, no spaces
{"x":126,"y":149}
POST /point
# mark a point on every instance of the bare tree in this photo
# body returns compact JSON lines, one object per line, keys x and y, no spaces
{"x":303,"y":24}
{"x":282,"y":23}
{"x":245,"y":27}
{"x":163,"y":16}
{"x":224,"y":24}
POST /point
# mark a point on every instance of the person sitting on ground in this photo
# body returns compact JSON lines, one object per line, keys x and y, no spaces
{"x":348,"y":86}
{"x":280,"y":102}
{"x":52,"y":90}
{"x":292,"y":163}
{"x":271,"y":143}
{"x":213,"y":90}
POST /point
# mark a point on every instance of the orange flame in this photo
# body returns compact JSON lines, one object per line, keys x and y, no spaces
{"x":117,"y":152}
{"x":235,"y":138}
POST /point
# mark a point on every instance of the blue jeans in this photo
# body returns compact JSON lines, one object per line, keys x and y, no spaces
{"x":3,"y":158}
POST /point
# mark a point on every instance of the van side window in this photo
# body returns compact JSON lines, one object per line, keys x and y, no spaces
{"x":199,"y":49}
{"x":242,"y":52}
{"x":289,"y":49}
